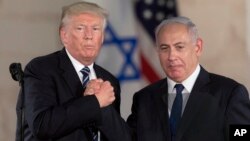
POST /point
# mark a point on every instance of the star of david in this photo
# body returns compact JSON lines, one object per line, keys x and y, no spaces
{"x":126,"y":46}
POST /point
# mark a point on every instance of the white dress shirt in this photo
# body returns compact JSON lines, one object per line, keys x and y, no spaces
{"x":188,"y":86}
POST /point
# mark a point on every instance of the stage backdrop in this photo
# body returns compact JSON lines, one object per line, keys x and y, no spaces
{"x":29,"y":28}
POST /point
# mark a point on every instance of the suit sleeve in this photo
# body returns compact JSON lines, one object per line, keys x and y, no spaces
{"x":46,"y":116}
{"x":238,"y":109}
{"x":113,"y":127}
{"x":132,"y":119}
{"x":116,"y":104}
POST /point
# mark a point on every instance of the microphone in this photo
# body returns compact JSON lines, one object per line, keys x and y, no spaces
{"x":16,"y":71}
{"x":17,"y":74}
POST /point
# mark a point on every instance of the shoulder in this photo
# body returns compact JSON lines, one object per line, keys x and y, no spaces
{"x":152,"y":88}
{"x":226,"y":85}
{"x":216,"y":80}
{"x":104,"y":74}
{"x":221,"y":80}
{"x":42,"y":63}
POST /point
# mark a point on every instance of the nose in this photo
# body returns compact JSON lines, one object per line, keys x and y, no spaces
{"x":88,"y":34}
{"x":171,"y":55}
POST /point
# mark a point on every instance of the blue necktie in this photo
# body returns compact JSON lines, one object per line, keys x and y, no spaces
{"x":85,"y":79}
{"x":176,"y":111}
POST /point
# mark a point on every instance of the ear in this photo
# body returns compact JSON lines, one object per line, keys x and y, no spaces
{"x":103,"y":36}
{"x":199,"y":46}
{"x":63,"y":35}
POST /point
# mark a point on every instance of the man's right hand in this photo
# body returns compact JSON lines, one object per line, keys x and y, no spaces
{"x":106,"y":95}
{"x":103,"y":91}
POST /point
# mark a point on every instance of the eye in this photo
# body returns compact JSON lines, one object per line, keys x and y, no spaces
{"x":96,"y":28}
{"x":179,"y":47}
{"x":80,"y":28}
{"x":163,"y":48}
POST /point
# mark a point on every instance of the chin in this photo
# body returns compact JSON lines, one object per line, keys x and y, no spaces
{"x":90,"y":55}
{"x":176,"y":78}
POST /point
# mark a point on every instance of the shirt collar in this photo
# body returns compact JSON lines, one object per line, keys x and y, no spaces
{"x":77,"y":65}
{"x":188,"y":83}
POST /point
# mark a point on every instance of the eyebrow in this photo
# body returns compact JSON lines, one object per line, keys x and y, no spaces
{"x":79,"y":24}
{"x":178,"y":43}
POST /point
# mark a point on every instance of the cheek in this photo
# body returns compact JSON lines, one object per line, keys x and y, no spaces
{"x":99,"y":39}
{"x":99,"y":42}
{"x":76,"y":38}
{"x":164,"y":62}
{"x":191,"y":58}
{"x":163,"y":58}
{"x":71,"y":39}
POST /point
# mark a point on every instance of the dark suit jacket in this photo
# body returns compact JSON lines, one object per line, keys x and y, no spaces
{"x":55,"y":108}
{"x":214,"y":103}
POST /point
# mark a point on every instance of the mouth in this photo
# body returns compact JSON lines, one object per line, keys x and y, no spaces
{"x":171,"y":66}
{"x":89,"y":46}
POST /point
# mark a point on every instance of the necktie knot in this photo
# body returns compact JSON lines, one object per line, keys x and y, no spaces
{"x":85,"y":72}
{"x":179,"y":88}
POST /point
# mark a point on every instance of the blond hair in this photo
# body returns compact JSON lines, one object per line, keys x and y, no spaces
{"x":82,"y":7}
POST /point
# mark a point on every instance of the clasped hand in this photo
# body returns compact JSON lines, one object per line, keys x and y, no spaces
{"x":103,"y":91}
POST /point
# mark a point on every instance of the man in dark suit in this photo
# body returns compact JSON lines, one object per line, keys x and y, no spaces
{"x":59,"y":105}
{"x":190,"y":104}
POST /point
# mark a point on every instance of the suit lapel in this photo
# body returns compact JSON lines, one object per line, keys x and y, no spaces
{"x":98,"y":72}
{"x":193,"y":106}
{"x":69,"y":74}
{"x":161,"y":99}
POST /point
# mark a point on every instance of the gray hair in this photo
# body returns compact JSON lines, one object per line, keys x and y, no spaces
{"x":192,"y":29}
{"x":82,"y":7}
